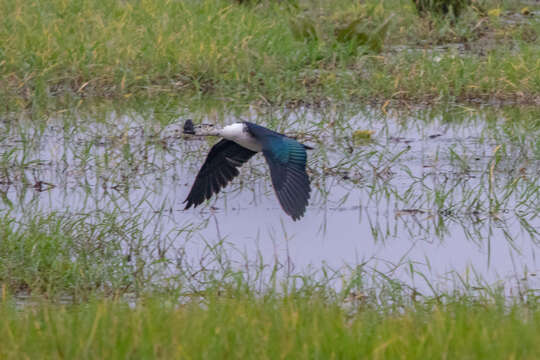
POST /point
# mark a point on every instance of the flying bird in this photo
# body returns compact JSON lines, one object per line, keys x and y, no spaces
{"x":285,"y":156}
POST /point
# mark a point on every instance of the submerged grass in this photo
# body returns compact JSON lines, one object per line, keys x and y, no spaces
{"x":70,"y":50}
{"x":243,"y":327}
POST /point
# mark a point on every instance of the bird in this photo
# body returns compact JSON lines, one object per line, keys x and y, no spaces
{"x":240,"y":141}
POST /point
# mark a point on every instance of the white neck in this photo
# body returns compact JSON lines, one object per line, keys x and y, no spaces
{"x":238,"y":133}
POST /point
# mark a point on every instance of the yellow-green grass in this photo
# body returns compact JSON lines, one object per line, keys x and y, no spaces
{"x":72,"y":49}
{"x":275,"y":327}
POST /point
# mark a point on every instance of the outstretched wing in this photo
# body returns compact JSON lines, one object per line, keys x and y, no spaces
{"x":219,"y":168}
{"x":286,"y":158}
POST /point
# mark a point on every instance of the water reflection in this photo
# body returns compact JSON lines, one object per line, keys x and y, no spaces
{"x":437,"y":194}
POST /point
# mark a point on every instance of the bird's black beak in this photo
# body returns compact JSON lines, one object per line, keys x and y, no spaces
{"x":188,"y":127}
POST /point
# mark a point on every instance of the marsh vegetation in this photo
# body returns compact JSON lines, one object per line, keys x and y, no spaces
{"x":432,"y":208}
{"x":275,"y":52}
{"x":422,"y":231}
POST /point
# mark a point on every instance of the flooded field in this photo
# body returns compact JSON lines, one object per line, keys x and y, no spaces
{"x":433,"y":200}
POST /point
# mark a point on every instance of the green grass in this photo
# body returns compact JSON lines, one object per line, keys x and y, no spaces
{"x":273,"y":327}
{"x":62,"y":51}
{"x":68,"y":255}
{"x":173,"y":54}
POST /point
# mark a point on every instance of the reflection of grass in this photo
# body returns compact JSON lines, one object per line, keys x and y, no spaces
{"x":242,"y":327}
{"x":118,"y":49}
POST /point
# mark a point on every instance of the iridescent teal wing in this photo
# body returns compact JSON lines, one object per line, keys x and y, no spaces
{"x":286,"y":158}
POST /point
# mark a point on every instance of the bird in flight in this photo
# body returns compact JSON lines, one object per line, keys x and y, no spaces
{"x":285,"y":156}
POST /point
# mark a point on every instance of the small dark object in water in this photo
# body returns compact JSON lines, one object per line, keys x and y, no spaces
{"x":41,"y":186}
{"x":188,"y":127}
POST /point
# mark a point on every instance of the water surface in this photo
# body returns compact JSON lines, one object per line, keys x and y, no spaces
{"x":429,"y":198}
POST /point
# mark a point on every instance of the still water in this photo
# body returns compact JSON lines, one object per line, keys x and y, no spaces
{"x":449,"y":194}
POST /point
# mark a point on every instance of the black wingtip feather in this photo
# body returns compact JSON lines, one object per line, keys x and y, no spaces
{"x":294,"y":194}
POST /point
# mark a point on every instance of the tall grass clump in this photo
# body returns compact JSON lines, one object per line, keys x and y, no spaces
{"x":69,"y":255}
